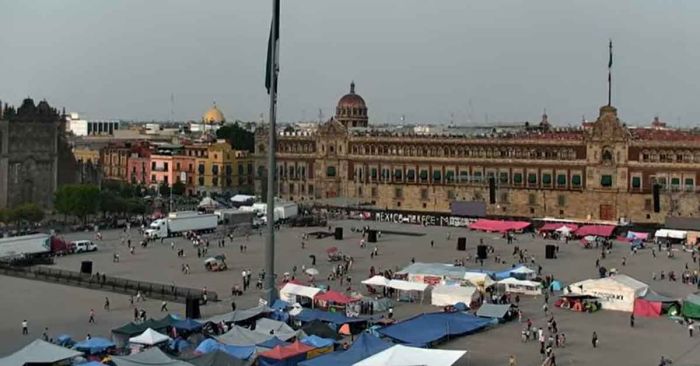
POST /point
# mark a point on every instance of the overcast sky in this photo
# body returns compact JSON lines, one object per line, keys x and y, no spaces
{"x":428,"y":60}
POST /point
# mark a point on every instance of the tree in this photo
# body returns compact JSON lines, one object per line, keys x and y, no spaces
{"x":80,"y":200}
{"x":238,"y":137}
{"x":179,"y":188}
{"x":110,"y":202}
{"x":135,"y":206}
{"x":164,"y":189}
{"x":29,"y":212}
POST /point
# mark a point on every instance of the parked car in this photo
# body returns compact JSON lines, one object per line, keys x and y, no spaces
{"x":81,"y":246}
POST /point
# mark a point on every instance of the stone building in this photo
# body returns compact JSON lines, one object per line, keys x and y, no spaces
{"x":603,"y":170}
{"x":29,"y":154}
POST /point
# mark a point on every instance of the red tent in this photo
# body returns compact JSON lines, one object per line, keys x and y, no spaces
{"x":551,"y":226}
{"x":283,"y":352}
{"x":643,"y":307}
{"x":597,"y":230}
{"x":334,"y":297}
{"x":499,"y":226}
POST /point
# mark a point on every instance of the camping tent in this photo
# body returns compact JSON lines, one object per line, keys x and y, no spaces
{"x":149,"y":338}
{"x":376,"y":281}
{"x":364,"y":346}
{"x":285,"y":355}
{"x":407,"y":286}
{"x":515,"y":285}
{"x":450,"y":295}
{"x":187,"y":325}
{"x":320,"y":329}
{"x":424,"y":329}
{"x":691,"y":306}
{"x":493,"y":311}
{"x":290,"y":292}
{"x":152,"y":357}
{"x":273,"y":327}
{"x":399,"y":355}
{"x":210,"y":345}
{"x":673,"y":234}
{"x":216,"y":358}
{"x":39,"y":352}
{"x":615,"y":293}
{"x":520,"y":272}
{"x":122,"y":334}
{"x":94,"y":345}
{"x":239,"y":336}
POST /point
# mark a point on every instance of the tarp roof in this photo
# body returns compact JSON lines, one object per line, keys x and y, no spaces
{"x":479,"y":278}
{"x":152,"y":357}
{"x":336,"y":318}
{"x":364,"y":346}
{"x":210,"y":345}
{"x":694,"y":298}
{"x":240,"y":315}
{"x":279,"y":329}
{"x":668,"y":233}
{"x":39,"y":351}
{"x":321,"y":329}
{"x":376,"y":281}
{"x":132,"y":329}
{"x":552,"y":226}
{"x":291,"y":289}
{"x":94,"y":345}
{"x":239,"y":336}
{"x":434,"y":269}
{"x":187,"y":325}
{"x":461,"y":291}
{"x":499,"y":226}
{"x":493,"y":311}
{"x":407,"y":285}
{"x":335,"y":297}
{"x":399,"y":355}
{"x":515,"y":281}
{"x":317,"y":342}
{"x":283,"y":352}
{"x":423,"y":329}
{"x":149,"y":338}
{"x":169,"y":319}
{"x":216,"y":358}
{"x":208,"y":202}
{"x":655,"y":297}
{"x":597,"y":230}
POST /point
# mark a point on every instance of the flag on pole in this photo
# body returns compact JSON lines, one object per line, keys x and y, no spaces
{"x":273,"y":64}
{"x":610,"y":61}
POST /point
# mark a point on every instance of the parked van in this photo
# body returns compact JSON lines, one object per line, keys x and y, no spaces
{"x":81,"y":246}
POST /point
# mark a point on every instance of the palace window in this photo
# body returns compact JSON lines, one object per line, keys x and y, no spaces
{"x":311,"y":189}
{"x":464,"y":176}
{"x":547,"y":179}
{"x":423,"y":175}
{"x":606,"y":180}
{"x":503,"y":177}
{"x":449,"y":176}
{"x":410,"y":175}
{"x":561,"y":180}
{"x":576,"y":180}
{"x":518,"y":178}
{"x":477,"y":177}
{"x":330,"y":171}
{"x":636,"y":182}
{"x":675,"y":183}
{"x":531,"y":179}
{"x":397,"y":174}
{"x":373,"y":173}
{"x":437,"y":175}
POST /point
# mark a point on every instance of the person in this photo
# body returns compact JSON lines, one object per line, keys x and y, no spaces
{"x":92,"y":316}
{"x":45,"y":335}
{"x":163,"y":307}
{"x":594,"y":340}
{"x":632,"y":321}
{"x":432,"y":243}
{"x":25,"y":327}
{"x":233,"y":306}
{"x":512,"y":361}
{"x":107,"y":303}
{"x":391,"y":313}
{"x":690,"y":329}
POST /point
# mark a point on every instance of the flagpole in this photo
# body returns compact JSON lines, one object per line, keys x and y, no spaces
{"x":271,"y":158}
{"x":610,"y":75}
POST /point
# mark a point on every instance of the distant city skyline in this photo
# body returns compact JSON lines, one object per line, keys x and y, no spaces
{"x":466,"y":62}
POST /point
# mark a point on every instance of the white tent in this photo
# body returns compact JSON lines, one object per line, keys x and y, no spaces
{"x":399,"y":355}
{"x":149,"y":338}
{"x":208,"y":202}
{"x":290,"y":292}
{"x":673,"y":234}
{"x":407,"y":285}
{"x":481,"y":280}
{"x":376,"y":281}
{"x":564,"y":230}
{"x":524,"y":272}
{"x":515,"y":285}
{"x":450,"y":295}
{"x":242,"y":198}
{"x":614,"y":293}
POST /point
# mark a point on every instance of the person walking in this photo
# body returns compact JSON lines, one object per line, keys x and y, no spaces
{"x":594,"y":340}
{"x":512,"y":361}
{"x":25,"y":327}
{"x":632,"y":321}
{"x":106,"y":303}
{"x":164,"y":307}
{"x":45,"y":335}
{"x":690,"y":329}
{"x":91,"y":320}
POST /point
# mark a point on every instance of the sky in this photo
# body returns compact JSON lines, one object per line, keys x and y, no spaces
{"x":461,"y":61}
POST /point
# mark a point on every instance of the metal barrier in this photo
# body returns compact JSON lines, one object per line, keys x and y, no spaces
{"x":107,"y":283}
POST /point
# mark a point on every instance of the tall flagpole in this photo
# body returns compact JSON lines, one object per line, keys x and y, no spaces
{"x":610,"y":62}
{"x":273,"y":67}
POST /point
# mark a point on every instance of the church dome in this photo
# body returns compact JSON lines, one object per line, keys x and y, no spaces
{"x":351,"y":100}
{"x":213,"y":116}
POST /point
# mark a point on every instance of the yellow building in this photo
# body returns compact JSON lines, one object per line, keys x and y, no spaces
{"x":87,"y":154}
{"x":220,"y":168}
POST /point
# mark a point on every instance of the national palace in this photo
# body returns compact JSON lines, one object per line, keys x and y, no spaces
{"x":602,"y":170}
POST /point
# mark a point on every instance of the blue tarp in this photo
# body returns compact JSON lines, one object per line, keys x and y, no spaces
{"x":502,"y":275}
{"x":280,"y":305}
{"x":364,"y":346}
{"x":556,"y":285}
{"x":338,"y":319}
{"x":64,"y":340}
{"x":188,"y":325}
{"x":242,"y":352}
{"x":424,"y":329}
{"x":91,"y":363}
{"x":272,"y":343}
{"x":94,"y":345}
{"x":317,"y":342}
{"x":179,"y":345}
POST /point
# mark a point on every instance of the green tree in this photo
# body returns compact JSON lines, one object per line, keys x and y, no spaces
{"x":29,"y":212}
{"x":238,"y":137}
{"x":164,"y":189}
{"x":179,"y":188}
{"x":112,"y":203}
{"x":81,"y":200}
{"x":135,"y":206}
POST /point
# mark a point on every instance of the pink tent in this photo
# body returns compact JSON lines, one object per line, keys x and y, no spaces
{"x":597,"y":230}
{"x":498,"y":226}
{"x":334,"y":297}
{"x":643,"y":307}
{"x":551,"y":226}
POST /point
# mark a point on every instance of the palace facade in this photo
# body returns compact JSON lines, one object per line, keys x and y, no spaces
{"x":602,"y":170}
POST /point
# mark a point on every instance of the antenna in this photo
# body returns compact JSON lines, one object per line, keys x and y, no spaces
{"x":172,"y":107}
{"x":320,"y":116}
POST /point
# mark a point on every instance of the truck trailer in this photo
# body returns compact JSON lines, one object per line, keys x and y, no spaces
{"x":178,"y":223}
{"x":25,"y":246}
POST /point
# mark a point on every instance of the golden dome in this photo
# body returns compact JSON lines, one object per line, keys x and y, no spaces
{"x":213,"y":116}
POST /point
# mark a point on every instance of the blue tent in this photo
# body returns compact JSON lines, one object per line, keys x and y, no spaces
{"x":317,"y":342}
{"x":336,"y":318}
{"x":94,"y":345}
{"x":179,"y":345}
{"x":64,"y":340}
{"x":280,"y":305}
{"x":424,"y":329}
{"x":364,"y":346}
{"x":502,"y":275}
{"x":556,"y":285}
{"x":187,"y":325}
{"x":272,"y":343}
{"x":242,"y":352}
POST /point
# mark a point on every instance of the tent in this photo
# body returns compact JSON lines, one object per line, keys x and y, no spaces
{"x":122,"y":334}
{"x":39,"y":352}
{"x":557,"y":226}
{"x":425,"y":329}
{"x":321,"y":329}
{"x":450,"y":295}
{"x":520,"y":272}
{"x":239,"y":315}
{"x":691,"y":306}
{"x":336,"y":318}
{"x":239,"y":336}
{"x":273,"y":327}
{"x":187,"y":325}
{"x":208,"y":202}
{"x":494,"y":311}
{"x":431,"y":273}
{"x":149,"y":338}
{"x":673,"y":234}
{"x":376,"y":281}
{"x":498,"y":226}
{"x":556,"y":285}
{"x":152,"y":357}
{"x":596,"y":230}
{"x":479,"y":279}
{"x":287,"y":355}
{"x":216,"y":358}
{"x":94,"y":345}
{"x":399,"y":355}
{"x":615,"y":293}
{"x":364,"y":346}
{"x":631,"y":235}
{"x":317,"y":342}
{"x":333,"y":297}
{"x":210,"y":345}
{"x":272,"y":343}
{"x":515,"y":285}
{"x":290,"y":292}
{"x":169,"y":320}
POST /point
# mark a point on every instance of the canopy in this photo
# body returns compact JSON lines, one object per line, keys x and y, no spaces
{"x":494,"y":311}
{"x":39,"y":351}
{"x":210,"y":345}
{"x":450,"y":295}
{"x":240,"y":315}
{"x":321,"y":329}
{"x":635,"y":235}
{"x":520,"y":271}
{"x":615,"y":293}
{"x":317,"y":342}
{"x":239,"y":336}
{"x":242,"y":198}
{"x":499,"y":226}
{"x":376,"y":281}
{"x":647,"y":308}
{"x":133,"y":329}
{"x":284,"y":352}
{"x":364,"y":346}
{"x":272,"y":343}
{"x":273,"y":327}
{"x":334,"y":297}
{"x":597,"y":230}
{"x":94,"y":345}
{"x":216,"y":358}
{"x":515,"y":285}
{"x":407,"y":286}
{"x":691,"y":306}
{"x":149,"y":338}
{"x":424,"y":329}
{"x":290,"y":291}
{"x":399,"y":355}
{"x":558,"y":226}
{"x":188,"y":325}
{"x":151,"y":357}
{"x":479,"y":279}
{"x":208,"y":202}
{"x":432,"y":273}
{"x":668,"y":233}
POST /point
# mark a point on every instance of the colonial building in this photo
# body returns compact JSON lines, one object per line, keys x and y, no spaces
{"x":603,"y":170}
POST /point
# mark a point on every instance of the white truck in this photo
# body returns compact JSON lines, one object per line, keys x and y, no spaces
{"x":178,"y":223}
{"x":282,"y":212}
{"x":25,"y":245}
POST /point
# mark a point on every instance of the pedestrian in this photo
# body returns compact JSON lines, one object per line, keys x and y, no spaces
{"x":632,"y":321}
{"x":25,"y":327}
{"x":432,"y":243}
{"x":233,"y":306}
{"x":131,"y":250}
{"x":512,"y":361}
{"x":594,"y":339}
{"x":164,"y":307}
{"x":136,"y":314}
{"x":690,"y":328}
{"x":45,"y":335}
{"x":624,"y":261}
{"x":391,"y":313}
{"x":172,"y":245}
{"x":107,"y":303}
{"x":92,"y":316}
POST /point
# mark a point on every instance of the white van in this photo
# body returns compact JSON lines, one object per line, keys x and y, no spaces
{"x":81,"y":246}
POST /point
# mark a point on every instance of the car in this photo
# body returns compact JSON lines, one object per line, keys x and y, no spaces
{"x":81,"y":246}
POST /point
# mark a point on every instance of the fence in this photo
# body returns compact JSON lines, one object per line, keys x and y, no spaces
{"x":107,"y":283}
